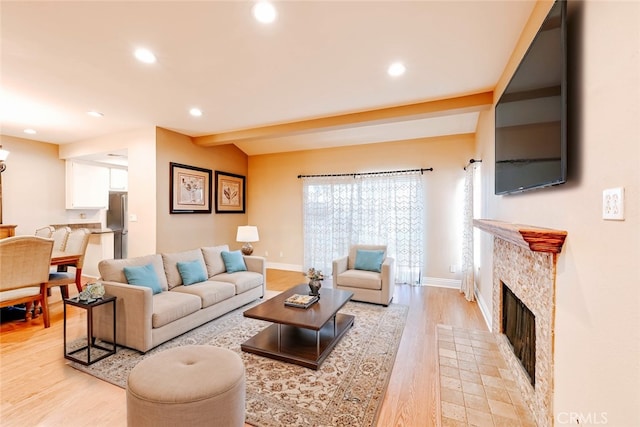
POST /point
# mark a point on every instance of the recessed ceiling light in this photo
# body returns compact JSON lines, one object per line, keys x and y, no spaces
{"x":95,"y":114}
{"x":30,"y":131}
{"x":195,"y":112}
{"x":264,"y":12}
{"x":145,"y":55}
{"x":396,"y":69}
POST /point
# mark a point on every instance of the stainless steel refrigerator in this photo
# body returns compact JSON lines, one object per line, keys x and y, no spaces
{"x":117,"y":221}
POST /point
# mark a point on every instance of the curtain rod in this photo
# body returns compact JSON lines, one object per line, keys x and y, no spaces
{"x":472,"y":161}
{"x":366,"y":173}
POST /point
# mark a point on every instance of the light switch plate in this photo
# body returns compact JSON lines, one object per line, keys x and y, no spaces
{"x":613,"y":204}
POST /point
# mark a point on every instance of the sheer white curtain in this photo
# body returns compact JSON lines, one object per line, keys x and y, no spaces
{"x":468,"y":276}
{"x":369,"y":209}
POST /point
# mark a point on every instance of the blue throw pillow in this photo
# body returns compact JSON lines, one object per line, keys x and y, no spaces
{"x":233,"y":261}
{"x":191,"y":272}
{"x":143,"y":275}
{"x":369,"y":260}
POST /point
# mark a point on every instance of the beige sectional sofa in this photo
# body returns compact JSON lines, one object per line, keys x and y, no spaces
{"x":145,"y":320}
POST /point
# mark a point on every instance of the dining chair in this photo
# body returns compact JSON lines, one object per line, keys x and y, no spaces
{"x":77,"y":243}
{"x":60,"y":236}
{"x":45,"y":232}
{"x":24,"y":271}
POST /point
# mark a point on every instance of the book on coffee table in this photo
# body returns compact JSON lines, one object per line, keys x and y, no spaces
{"x":301,"y":301}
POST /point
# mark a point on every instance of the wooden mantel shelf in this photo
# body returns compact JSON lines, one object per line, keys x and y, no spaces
{"x":536,"y":239}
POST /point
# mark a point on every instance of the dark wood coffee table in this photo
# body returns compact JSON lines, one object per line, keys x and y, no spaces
{"x":304,"y":336}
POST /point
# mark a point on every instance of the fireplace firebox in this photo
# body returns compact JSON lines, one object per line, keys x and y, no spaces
{"x":519,"y":325}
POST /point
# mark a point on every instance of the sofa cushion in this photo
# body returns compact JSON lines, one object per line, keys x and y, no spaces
{"x":171,"y":306}
{"x":360,"y":279}
{"x":192,"y":272}
{"x":143,"y":275}
{"x":209,"y":292}
{"x":213,"y":259}
{"x":369,"y":260}
{"x":171,"y":261}
{"x":112,"y":270}
{"x":233,"y":261}
{"x":243,"y":280}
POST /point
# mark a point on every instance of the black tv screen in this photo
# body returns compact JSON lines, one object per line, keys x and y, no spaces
{"x":530,"y":117}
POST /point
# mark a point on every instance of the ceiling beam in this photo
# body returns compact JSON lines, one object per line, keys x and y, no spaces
{"x":421,"y":110}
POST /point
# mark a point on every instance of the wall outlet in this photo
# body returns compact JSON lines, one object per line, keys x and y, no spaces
{"x":266,"y":253}
{"x":452,"y":269}
{"x":613,"y":204}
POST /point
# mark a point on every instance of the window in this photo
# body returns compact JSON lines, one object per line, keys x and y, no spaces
{"x":368,"y":209}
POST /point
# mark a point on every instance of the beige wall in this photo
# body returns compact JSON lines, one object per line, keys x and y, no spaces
{"x":34,"y":188}
{"x":275,"y":193}
{"x":33,"y":192}
{"x":176,"y":232}
{"x":597,"y":338}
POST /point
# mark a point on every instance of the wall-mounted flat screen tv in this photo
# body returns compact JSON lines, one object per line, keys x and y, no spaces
{"x":531,"y":115}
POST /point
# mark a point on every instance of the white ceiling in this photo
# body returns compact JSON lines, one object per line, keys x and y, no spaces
{"x":319,"y":59}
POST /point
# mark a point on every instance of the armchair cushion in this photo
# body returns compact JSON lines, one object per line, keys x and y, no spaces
{"x":361,"y":279}
{"x":353,"y":251}
{"x":369,"y":260}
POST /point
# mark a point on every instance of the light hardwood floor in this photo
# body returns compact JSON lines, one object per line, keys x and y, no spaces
{"x":39,"y":389}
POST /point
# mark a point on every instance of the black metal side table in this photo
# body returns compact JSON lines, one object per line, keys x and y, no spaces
{"x":100,"y":351}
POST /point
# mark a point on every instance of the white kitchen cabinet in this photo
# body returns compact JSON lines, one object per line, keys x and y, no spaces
{"x":119,"y":179}
{"x":87,"y":186}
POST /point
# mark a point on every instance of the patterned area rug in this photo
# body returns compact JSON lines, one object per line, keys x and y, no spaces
{"x":347,"y":390}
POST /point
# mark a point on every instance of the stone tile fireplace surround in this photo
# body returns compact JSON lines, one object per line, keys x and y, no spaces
{"x":524,"y":259}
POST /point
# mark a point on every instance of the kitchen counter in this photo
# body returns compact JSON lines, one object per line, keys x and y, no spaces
{"x":93,"y":227}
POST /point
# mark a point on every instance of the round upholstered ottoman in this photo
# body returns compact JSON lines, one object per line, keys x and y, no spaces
{"x":194,"y":385}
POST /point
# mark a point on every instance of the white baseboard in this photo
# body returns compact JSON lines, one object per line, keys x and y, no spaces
{"x":441,"y":283}
{"x":286,"y":267}
{"x":484,"y":310}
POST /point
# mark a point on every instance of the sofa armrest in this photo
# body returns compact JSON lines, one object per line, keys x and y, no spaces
{"x":339,"y":266}
{"x":134,"y":309}
{"x":257,"y":264}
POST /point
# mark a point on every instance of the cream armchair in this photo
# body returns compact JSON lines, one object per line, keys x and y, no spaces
{"x":367,"y":272}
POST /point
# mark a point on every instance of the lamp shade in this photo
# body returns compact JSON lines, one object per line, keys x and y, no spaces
{"x":247,"y":233}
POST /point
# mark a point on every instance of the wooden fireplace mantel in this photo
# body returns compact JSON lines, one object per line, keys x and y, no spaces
{"x":537,"y":239}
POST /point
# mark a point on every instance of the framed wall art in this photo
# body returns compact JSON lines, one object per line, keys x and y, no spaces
{"x":230,"y":192}
{"x":190,"y":189}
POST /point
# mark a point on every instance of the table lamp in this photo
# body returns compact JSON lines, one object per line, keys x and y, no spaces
{"x":247,"y":234}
